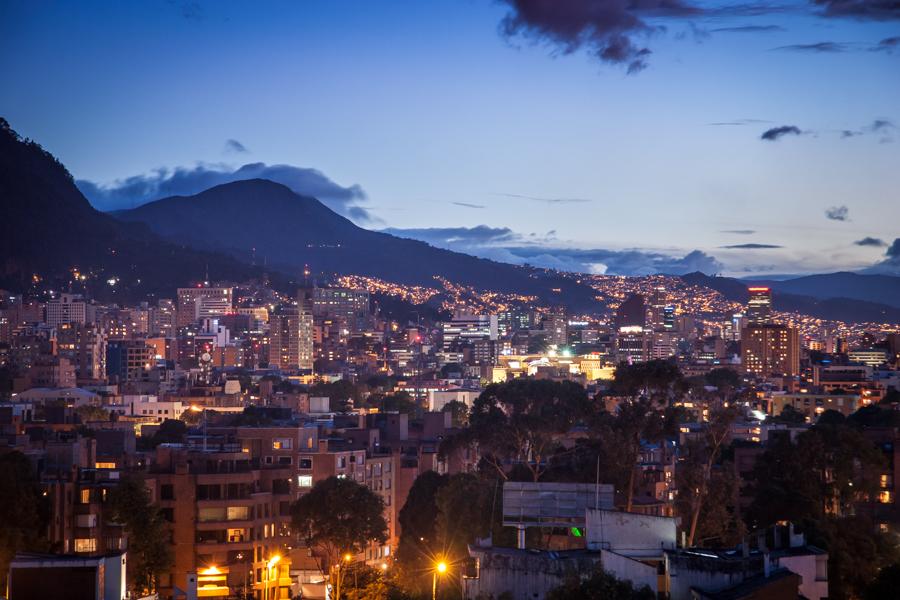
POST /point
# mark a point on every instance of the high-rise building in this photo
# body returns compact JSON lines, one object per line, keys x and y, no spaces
{"x":162,"y":319}
{"x":130,"y":361}
{"x":291,"y":336}
{"x":350,"y":306}
{"x":768,"y":349}
{"x":85,"y":347}
{"x":633,"y":344}
{"x":202,"y":303}
{"x":759,"y":307}
{"x":67,"y":308}
{"x":464,"y":329}
{"x":557,"y":327}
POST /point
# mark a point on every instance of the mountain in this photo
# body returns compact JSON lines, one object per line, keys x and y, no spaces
{"x":870,"y":288}
{"x":49,"y":229}
{"x":833,"y":308}
{"x":261,"y":220}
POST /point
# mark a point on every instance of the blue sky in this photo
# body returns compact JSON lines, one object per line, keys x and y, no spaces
{"x":446,"y":122}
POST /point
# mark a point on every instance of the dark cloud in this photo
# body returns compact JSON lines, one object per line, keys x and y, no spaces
{"x":871,"y":241}
{"x":750,"y":246}
{"x":838,"y":213}
{"x":887,"y":45}
{"x":875,"y":10}
{"x":547,"y":200}
{"x":849,"y":133}
{"x":540,"y":250}
{"x":817,"y":48}
{"x":467,"y":205}
{"x":891,"y":263}
{"x":775,"y":133}
{"x":881,"y":125}
{"x":235,"y":146}
{"x":740,"y":231}
{"x":186,"y":181}
{"x":608,"y":29}
{"x":749,"y":29}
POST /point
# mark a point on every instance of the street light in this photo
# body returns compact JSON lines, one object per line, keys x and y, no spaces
{"x":272,"y":562}
{"x":440,"y":567}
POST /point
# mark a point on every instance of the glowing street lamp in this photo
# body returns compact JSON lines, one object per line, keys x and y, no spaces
{"x":439,"y":568}
{"x":272,"y":562}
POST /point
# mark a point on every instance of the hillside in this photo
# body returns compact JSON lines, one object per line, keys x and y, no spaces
{"x":49,"y":229}
{"x":836,"y":308}
{"x":267,"y":222}
{"x":870,"y":288}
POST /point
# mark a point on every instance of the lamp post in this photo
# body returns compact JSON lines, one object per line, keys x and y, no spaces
{"x":272,"y":562}
{"x":439,"y":568}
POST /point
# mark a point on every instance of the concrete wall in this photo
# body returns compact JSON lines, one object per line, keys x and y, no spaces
{"x":630,"y":534}
{"x":638,"y":573}
{"x":813,"y":569}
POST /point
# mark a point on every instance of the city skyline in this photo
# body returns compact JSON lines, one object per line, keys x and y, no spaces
{"x":747,"y":143}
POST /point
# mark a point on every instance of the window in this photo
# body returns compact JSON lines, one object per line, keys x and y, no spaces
{"x":104,"y":465}
{"x":85,"y":496}
{"x":306,"y":463}
{"x":282,"y":444}
{"x":238,"y":513}
{"x":167,"y":492}
{"x":284,"y":460}
{"x":304,"y":481}
{"x":85,"y":545}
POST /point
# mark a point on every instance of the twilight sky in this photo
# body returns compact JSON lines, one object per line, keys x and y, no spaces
{"x":749,"y":139}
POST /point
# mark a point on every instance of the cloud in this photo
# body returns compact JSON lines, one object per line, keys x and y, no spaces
{"x":750,"y":246}
{"x":874,"y":10}
{"x":235,"y":146}
{"x":838,"y":213}
{"x":467,"y":205}
{"x":608,"y":30}
{"x":775,"y":133}
{"x":891,"y":263}
{"x":871,"y":241}
{"x":542,"y":250}
{"x":887,"y":45}
{"x":547,"y":200}
{"x":740,"y":231}
{"x":749,"y":29}
{"x":883,"y":127}
{"x":185,"y":181}
{"x":817,"y":48}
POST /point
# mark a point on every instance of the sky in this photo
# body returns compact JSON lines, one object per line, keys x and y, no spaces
{"x":732,"y":137}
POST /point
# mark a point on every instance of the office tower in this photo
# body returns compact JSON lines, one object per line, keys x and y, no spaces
{"x":68,"y":308}
{"x":633,"y":344}
{"x":556,"y":326}
{"x":85,"y":347}
{"x":129,"y":361}
{"x":759,"y":307}
{"x":291,"y":335}
{"x":660,"y":314}
{"x":768,"y":349}
{"x":202,"y":303}
{"x":465,"y":329}
{"x":632,"y":312}
{"x":162,"y":318}
{"x":347,"y":305}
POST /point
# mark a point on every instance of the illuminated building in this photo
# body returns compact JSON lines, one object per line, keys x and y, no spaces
{"x":464,"y":329}
{"x":759,"y":307}
{"x":68,"y":308}
{"x":768,"y":349}
{"x":632,"y":344}
{"x":632,"y":312}
{"x":202,"y":303}
{"x":85,"y":347}
{"x":348,"y":305}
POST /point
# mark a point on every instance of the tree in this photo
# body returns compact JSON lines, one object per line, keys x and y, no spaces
{"x":885,"y":584}
{"x":418,"y":519}
{"x":695,"y":471}
{"x":518,"y":422}
{"x":460,"y":412}
{"x":149,"y":551}
{"x":601,"y":585}
{"x":723,"y":379}
{"x":23,"y":511}
{"x":335,"y":517}
{"x":88,"y":413}
{"x":463,"y":514}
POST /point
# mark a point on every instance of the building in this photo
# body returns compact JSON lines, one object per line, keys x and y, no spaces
{"x":84,"y":346}
{"x":632,"y":344}
{"x":631,"y":313}
{"x":759,"y":306}
{"x":202,"y":303}
{"x":67,"y":308}
{"x":42,"y":576}
{"x":162,"y":319}
{"x":291,"y":339}
{"x":769,"y":350}
{"x":464,"y":329}
{"x":130,"y":361}
{"x":349,"y":306}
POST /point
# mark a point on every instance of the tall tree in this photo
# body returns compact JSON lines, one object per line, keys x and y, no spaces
{"x":338,"y":516}
{"x":695,"y":470}
{"x":518,"y":422}
{"x":149,"y":551}
{"x":23,"y":514}
{"x":418,"y":522}
{"x":600,"y":585}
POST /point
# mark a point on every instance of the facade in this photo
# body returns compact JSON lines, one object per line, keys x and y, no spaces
{"x":348,"y":305}
{"x":759,"y":307}
{"x":202,"y":303}
{"x":85,"y":347}
{"x":68,"y":308}
{"x":768,"y":350}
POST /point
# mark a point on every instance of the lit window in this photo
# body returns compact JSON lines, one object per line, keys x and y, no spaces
{"x":104,"y":465}
{"x":304,"y":480}
{"x":85,"y":545}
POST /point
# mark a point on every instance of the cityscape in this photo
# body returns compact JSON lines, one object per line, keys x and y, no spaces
{"x":641,"y":375}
